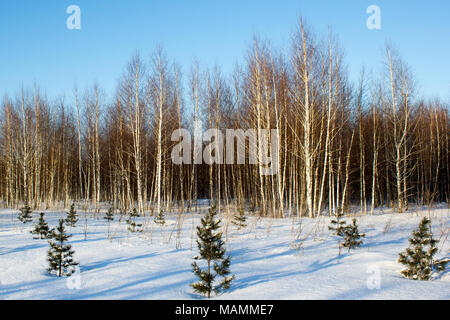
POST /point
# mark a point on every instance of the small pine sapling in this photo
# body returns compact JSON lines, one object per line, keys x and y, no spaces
{"x":211,"y":248}
{"x":41,"y":228}
{"x":338,"y":225}
{"x":109,"y":215}
{"x":349,"y":233}
{"x":160,"y":218}
{"x":72,"y":217}
{"x":240,"y":220}
{"x":419,"y":256}
{"x":26,"y":214}
{"x":60,"y":254}
{"x":253,"y":208}
{"x":132,"y":225}
{"x":352,"y":236}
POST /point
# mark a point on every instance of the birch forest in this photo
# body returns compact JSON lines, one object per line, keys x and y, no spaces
{"x":374,"y":142}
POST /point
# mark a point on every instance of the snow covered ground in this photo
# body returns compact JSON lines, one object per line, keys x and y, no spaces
{"x":288,"y":258}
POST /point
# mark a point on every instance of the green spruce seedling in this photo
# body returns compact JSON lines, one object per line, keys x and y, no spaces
{"x":25,"y":214}
{"x":109,"y":216}
{"x":352,"y":236}
{"x":419,"y":256}
{"x":132,"y":225}
{"x":60,"y":254}
{"x":349,"y":234}
{"x":240,"y":220}
{"x":72,"y":217}
{"x":160,"y":219}
{"x":41,"y":228}
{"x":338,"y":225}
{"x":211,"y":248}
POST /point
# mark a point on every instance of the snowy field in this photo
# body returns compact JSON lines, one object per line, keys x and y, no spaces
{"x":288,"y":258}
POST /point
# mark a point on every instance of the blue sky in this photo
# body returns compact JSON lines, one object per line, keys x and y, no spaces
{"x":37,"y":47}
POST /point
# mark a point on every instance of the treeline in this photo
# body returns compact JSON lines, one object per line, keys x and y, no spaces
{"x":373,"y":143}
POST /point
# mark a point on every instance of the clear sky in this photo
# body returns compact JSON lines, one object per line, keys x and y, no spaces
{"x":36,"y":45}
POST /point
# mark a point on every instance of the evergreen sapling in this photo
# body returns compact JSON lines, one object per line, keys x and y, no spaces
{"x":41,"y":228}
{"x":60,"y":254}
{"x":338,"y":225}
{"x":72,"y":217}
{"x":160,"y":218}
{"x":132,"y":225}
{"x":418,"y":257}
{"x":240,"y":220}
{"x":109,"y":215}
{"x":211,"y":249}
{"x":352,"y":236}
{"x":25,"y":214}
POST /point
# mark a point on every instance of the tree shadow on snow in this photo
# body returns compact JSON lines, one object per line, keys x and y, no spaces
{"x":24,"y":248}
{"x":325,"y":264}
{"x":140,"y":292}
{"x":104,"y":263}
{"x":253,"y":280}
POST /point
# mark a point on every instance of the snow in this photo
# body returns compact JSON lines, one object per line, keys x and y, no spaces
{"x":288,"y":258}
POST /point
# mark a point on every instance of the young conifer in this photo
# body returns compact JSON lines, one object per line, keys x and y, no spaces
{"x":338,"y":225}
{"x":132,"y":225}
{"x":25,"y":214}
{"x":160,"y":218}
{"x":352,"y":236}
{"x":41,"y":228}
{"x":72,"y":217}
{"x":418,"y":257}
{"x":109,"y":215}
{"x":60,"y":254}
{"x":240,"y":220}
{"x":211,"y":248}
{"x":349,"y":233}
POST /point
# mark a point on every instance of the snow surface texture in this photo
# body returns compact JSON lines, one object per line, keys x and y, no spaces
{"x":292,"y":258}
